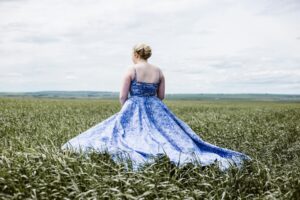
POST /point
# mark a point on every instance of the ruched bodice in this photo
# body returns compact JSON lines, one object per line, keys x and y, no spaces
{"x":143,"y":89}
{"x":138,"y":88}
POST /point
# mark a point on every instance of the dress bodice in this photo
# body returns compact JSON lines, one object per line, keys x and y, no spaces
{"x":143,"y":89}
{"x":139,"y":88}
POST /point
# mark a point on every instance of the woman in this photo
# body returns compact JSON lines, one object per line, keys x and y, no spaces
{"x":145,"y":127}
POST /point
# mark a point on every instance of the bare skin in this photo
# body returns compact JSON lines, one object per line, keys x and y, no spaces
{"x":146,"y":72}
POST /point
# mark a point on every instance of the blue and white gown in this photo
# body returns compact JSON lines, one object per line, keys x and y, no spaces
{"x":145,"y":127}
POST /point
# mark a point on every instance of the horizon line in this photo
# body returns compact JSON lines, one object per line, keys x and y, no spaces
{"x":103,"y":91}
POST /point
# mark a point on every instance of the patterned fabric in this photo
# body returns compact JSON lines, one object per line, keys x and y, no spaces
{"x":144,"y":128}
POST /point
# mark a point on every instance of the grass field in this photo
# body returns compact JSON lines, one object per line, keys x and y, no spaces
{"x":32,"y":166}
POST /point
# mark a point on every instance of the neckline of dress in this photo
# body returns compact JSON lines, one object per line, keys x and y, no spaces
{"x":144,"y":82}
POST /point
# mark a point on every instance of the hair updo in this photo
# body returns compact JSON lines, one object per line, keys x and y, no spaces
{"x":143,"y":50}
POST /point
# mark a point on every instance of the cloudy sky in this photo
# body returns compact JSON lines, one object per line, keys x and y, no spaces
{"x":202,"y":46}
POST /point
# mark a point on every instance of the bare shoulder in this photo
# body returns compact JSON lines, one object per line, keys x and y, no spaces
{"x":160,"y":70}
{"x":156,"y":67}
{"x":130,"y":71}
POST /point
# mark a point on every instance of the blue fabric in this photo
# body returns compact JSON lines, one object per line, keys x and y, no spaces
{"x":146,"y":127}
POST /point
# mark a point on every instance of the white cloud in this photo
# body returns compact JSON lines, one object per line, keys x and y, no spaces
{"x":213,"y":46}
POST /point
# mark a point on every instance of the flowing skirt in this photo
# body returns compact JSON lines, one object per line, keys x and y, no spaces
{"x":144,"y":128}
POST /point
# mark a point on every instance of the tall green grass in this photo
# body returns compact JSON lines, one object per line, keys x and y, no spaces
{"x":32,"y":166}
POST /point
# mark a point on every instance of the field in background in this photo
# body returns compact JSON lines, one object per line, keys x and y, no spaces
{"x":115,"y":95}
{"x":33,"y":166}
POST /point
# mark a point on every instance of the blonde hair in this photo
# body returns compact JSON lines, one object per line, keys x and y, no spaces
{"x":143,"y":50}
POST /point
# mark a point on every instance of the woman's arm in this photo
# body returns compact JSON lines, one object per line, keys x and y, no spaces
{"x":161,"y":88}
{"x":125,"y":86}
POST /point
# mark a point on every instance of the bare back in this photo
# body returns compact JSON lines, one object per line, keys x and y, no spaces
{"x":147,"y":73}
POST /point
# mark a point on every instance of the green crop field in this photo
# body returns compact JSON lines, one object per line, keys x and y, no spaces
{"x":32,"y":166}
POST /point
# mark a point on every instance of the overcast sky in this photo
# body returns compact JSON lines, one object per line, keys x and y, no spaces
{"x":202,"y":46}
